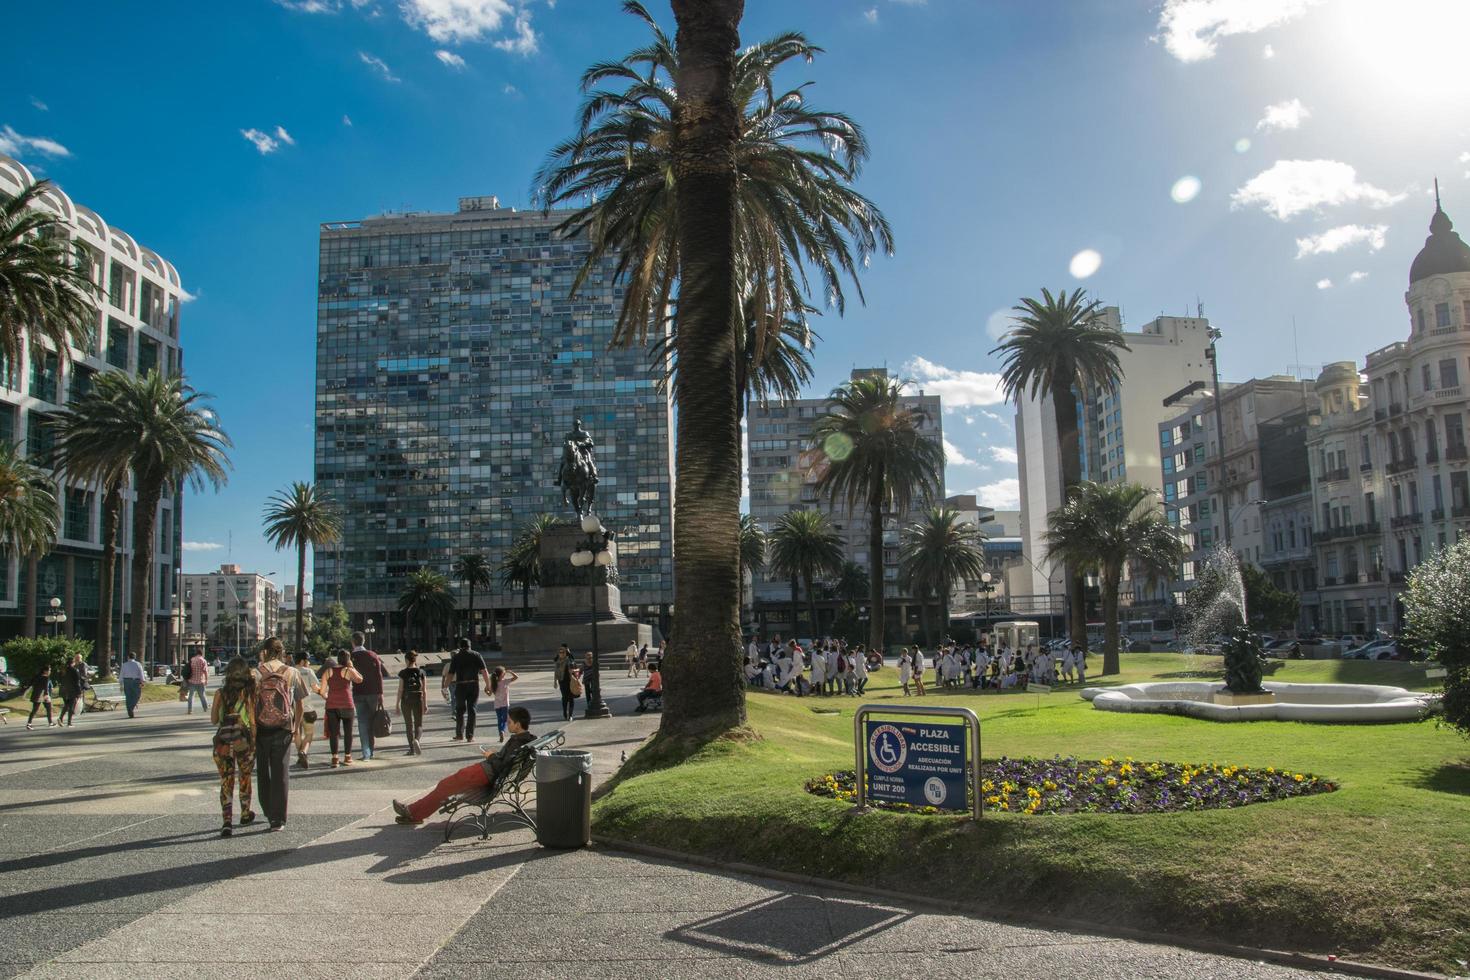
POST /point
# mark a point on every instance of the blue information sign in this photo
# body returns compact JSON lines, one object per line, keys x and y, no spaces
{"x":919,"y":764}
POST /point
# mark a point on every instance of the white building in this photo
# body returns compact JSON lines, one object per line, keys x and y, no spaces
{"x":234,"y":610}
{"x":1120,"y":428}
{"x":137,"y":330}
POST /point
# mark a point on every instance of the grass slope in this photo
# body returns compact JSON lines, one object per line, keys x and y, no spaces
{"x":1379,"y":870}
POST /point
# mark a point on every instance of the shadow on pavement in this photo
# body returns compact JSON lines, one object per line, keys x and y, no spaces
{"x":780,"y":928}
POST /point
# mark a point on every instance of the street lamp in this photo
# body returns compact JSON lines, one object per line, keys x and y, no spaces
{"x":368,"y":631}
{"x":987,"y":586}
{"x":594,"y":554}
{"x":55,"y":617}
{"x":1212,"y":354}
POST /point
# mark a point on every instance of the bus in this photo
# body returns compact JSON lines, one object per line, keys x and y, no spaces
{"x":1016,"y":634}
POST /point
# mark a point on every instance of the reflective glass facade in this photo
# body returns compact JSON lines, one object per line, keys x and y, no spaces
{"x":450,"y":363}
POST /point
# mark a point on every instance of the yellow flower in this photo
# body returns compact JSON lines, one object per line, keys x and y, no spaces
{"x":1297,"y":777}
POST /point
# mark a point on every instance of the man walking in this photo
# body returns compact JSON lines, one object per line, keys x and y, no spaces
{"x":194,"y":682}
{"x":131,"y":674}
{"x":367,"y":694}
{"x":466,"y":671}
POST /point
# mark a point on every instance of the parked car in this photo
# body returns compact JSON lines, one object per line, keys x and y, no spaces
{"x":1286,"y":648}
{"x":1377,"y":650}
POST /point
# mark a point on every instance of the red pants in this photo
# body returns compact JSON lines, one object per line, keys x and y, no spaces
{"x":470,"y":777}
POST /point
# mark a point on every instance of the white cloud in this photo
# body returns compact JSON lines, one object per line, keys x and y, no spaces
{"x":1341,"y":237}
{"x":449,"y":58}
{"x":15,"y":145}
{"x":871,"y":15}
{"x":1324,"y":283}
{"x":324,"y":6}
{"x":1283,"y":115}
{"x":1292,"y":187}
{"x":958,"y":389}
{"x":456,"y":21}
{"x":378,"y":65}
{"x":1002,"y":494}
{"x":37,"y":103}
{"x":1357,"y":276}
{"x":954,"y":456}
{"x":187,"y":297}
{"x":284,"y":136}
{"x":202,"y":546}
{"x":264,"y":142}
{"x":1191,"y":29}
{"x":524,"y":41}
{"x":511,"y":91}
{"x":346,"y":119}
{"x":1004,"y":454}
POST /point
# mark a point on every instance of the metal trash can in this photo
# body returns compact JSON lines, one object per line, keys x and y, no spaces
{"x":564,"y":798}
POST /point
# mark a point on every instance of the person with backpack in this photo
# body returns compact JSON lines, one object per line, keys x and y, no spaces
{"x":277,"y":719}
{"x":413,"y":700}
{"x":233,"y":714}
{"x":41,"y":694}
{"x":336,"y":687}
{"x":367,"y":693}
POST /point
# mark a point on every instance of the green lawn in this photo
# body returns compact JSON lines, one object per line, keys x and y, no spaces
{"x":1379,"y":870}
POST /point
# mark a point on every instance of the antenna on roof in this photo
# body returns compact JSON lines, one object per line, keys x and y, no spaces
{"x":1436,"y":194}
{"x":1199,"y":307}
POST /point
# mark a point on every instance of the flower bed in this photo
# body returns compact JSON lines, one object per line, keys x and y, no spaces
{"x":1108,"y":786}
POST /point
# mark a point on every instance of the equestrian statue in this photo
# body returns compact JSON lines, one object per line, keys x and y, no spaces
{"x":577,"y":474}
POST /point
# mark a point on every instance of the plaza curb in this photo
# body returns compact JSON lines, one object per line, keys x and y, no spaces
{"x":1304,"y":961}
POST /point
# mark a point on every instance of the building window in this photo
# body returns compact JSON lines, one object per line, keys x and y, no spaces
{"x":1370,"y":507}
{"x":1449,"y":374}
{"x":1427,"y":376}
{"x":1441,"y":315}
{"x":1365,"y":451}
{"x":1421,"y":320}
{"x":43,"y":377}
{"x":78,"y":514}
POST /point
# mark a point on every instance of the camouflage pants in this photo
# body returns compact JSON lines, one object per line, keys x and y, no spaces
{"x":234,"y":763}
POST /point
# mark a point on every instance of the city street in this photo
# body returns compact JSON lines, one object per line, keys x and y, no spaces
{"x":112,"y":866}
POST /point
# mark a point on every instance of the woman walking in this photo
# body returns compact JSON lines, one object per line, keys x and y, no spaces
{"x":337,"y":681}
{"x":905,"y":670}
{"x":413,"y":700}
{"x":41,"y":694}
{"x":73,"y":683}
{"x":233,"y":713}
{"x":918,"y":672}
{"x":564,"y":679}
{"x":277,"y":718}
{"x":500,"y":682}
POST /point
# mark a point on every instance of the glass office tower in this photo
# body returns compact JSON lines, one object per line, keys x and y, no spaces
{"x":451,"y":361}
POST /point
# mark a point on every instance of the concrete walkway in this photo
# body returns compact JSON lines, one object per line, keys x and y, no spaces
{"x":110,"y":866}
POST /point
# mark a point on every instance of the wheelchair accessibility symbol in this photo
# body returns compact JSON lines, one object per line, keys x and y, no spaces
{"x":888,"y":748}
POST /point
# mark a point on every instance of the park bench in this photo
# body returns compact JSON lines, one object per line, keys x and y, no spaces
{"x":510,"y":791}
{"x":105,"y":697}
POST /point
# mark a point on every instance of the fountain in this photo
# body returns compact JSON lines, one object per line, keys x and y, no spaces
{"x":1218,"y":607}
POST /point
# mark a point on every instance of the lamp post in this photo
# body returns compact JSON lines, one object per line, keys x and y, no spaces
{"x":594,"y":554}
{"x":987,"y":586}
{"x":368,"y":631}
{"x":1212,"y":354}
{"x":55,"y":617}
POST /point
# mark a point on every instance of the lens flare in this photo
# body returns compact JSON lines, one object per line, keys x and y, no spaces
{"x":837,"y":446}
{"x":1085,"y":263}
{"x":1242,"y":145}
{"x":1185,"y":189}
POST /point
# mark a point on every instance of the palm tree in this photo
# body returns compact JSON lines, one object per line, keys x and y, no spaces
{"x":852,"y":582}
{"x":474,"y":571}
{"x":295,"y":518}
{"x":27,"y":505}
{"x":877,"y":459}
{"x":938,"y":551}
{"x":1058,"y":349}
{"x":803,"y":547}
{"x":707,"y":185}
{"x":173,"y":440}
{"x":88,"y":450}
{"x":752,"y":552}
{"x":520,"y":567}
{"x":426,"y":597}
{"x":46,"y":291}
{"x":1107,"y":527}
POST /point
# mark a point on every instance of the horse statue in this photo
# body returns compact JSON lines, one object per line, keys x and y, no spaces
{"x":577,"y":473}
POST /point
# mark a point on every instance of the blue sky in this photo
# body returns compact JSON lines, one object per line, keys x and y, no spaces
{"x":1271,"y":158}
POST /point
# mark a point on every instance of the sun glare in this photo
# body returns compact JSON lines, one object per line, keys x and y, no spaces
{"x":1407,"y":46}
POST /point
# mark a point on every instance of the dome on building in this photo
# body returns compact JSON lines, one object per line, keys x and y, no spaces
{"x":1444,"y":250}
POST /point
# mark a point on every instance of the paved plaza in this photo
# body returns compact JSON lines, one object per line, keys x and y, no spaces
{"x":112,"y":866}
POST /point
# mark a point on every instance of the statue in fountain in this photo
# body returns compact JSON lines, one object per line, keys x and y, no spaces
{"x":1245,"y":662}
{"x":1217,"y":606}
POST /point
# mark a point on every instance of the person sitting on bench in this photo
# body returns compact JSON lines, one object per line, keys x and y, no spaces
{"x":655,"y":689}
{"x":478,"y":775}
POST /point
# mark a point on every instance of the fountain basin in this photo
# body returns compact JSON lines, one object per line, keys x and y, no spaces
{"x":1289,"y":702}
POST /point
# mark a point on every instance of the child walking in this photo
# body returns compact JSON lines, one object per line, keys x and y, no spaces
{"x":41,"y":694}
{"x":500,"y":682}
{"x":233,"y":712}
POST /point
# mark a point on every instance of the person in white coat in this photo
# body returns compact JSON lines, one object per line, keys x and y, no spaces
{"x":918,"y":672}
{"x":819,"y":672}
{"x":860,"y":672}
{"x":905,"y":670}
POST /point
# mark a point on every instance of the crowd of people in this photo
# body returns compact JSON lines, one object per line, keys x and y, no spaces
{"x":832,"y":667}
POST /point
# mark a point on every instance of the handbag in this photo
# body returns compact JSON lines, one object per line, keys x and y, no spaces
{"x":575,"y":686}
{"x":382,"y":722}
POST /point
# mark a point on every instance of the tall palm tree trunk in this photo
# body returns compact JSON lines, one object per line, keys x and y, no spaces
{"x":470,"y":623}
{"x":943,"y":614}
{"x":300,"y":597}
{"x":145,"y":520}
{"x":1110,"y":582}
{"x":875,"y":575}
{"x":705,"y":683}
{"x":811,"y":605}
{"x":795,"y":610}
{"x":111,"y":512}
{"x":1069,"y":448}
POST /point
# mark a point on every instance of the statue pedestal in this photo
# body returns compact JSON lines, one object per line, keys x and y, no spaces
{"x":1231,"y":698}
{"x":569,"y":600}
